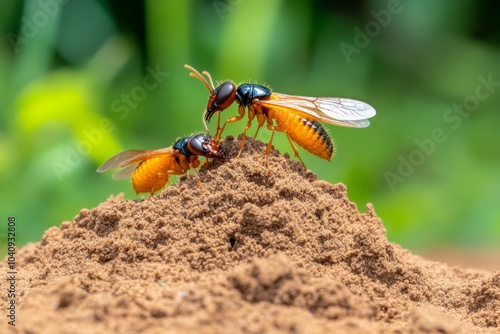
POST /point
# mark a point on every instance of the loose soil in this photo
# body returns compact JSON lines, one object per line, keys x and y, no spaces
{"x":252,"y":253}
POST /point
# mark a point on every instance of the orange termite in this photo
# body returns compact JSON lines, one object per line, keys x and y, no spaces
{"x":150,"y":170}
{"x":298,"y":117}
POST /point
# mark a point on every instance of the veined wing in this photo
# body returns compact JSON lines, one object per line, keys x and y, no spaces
{"x":128,"y":157}
{"x":332,"y":110}
{"x":126,"y":172}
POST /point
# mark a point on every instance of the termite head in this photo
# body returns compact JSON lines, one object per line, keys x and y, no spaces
{"x":220,"y":98}
{"x":205,"y":145}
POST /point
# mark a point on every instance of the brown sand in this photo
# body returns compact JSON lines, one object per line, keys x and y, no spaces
{"x":284,"y":253}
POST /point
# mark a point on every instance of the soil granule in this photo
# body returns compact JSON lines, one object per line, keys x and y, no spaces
{"x":252,"y":253}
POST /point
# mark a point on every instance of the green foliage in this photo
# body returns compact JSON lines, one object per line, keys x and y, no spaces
{"x":70,"y":100}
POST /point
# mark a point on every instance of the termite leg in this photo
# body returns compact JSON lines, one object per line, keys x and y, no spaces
{"x":251,"y":115}
{"x":197,"y":177}
{"x":218,"y":133}
{"x":268,"y":149}
{"x":296,"y":151}
{"x":261,"y":119}
{"x":241,"y":112}
{"x":158,"y":175}
{"x":256,"y":132}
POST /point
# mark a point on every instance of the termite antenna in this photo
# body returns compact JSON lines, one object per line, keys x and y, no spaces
{"x":209,"y":78}
{"x":195,"y":74}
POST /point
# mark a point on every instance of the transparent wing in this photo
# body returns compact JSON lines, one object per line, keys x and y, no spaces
{"x":332,"y":110}
{"x":126,"y":172}
{"x":128,"y":157}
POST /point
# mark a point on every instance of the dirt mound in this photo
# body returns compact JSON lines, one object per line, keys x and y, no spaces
{"x":278,"y":253}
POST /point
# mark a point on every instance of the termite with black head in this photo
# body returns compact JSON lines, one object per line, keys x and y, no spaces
{"x":150,"y":170}
{"x":298,"y":117}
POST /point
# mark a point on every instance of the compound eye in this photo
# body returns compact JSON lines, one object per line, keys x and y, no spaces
{"x":197,"y":144}
{"x":224,"y":95}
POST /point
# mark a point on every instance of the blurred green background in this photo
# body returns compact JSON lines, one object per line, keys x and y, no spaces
{"x":81,"y":80}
